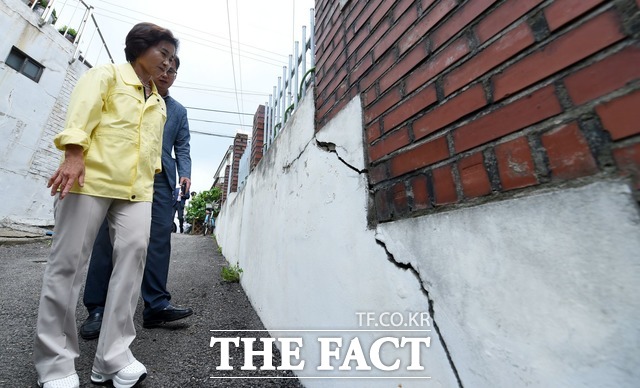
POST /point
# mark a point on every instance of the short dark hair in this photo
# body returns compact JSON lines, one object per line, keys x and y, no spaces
{"x":144,"y":35}
{"x":177,"y":62}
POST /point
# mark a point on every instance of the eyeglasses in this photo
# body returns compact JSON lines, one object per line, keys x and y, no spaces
{"x":172,"y":72}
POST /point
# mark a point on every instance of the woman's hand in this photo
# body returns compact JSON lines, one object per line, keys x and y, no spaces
{"x":71,"y":169}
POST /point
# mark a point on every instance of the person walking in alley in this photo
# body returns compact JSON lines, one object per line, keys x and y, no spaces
{"x":112,"y":150}
{"x":156,"y":297}
{"x":181,"y":197}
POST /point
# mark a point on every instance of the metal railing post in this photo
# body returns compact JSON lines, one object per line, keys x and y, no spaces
{"x":295,"y":84}
{"x":48,"y":10}
{"x":83,"y":24}
{"x":303,"y":57}
{"x":283,"y":99}
{"x":291,"y":70}
{"x":282,"y":103}
{"x":278,"y":108}
{"x":312,"y":44}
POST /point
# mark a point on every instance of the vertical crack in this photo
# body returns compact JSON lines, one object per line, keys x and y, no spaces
{"x":415,"y":273}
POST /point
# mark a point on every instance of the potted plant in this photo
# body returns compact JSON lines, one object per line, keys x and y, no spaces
{"x":68,"y":33}
{"x":41,"y":5}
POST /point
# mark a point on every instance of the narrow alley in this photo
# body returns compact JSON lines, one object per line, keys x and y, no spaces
{"x":176,"y":355}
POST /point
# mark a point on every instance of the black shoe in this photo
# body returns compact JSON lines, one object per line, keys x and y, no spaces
{"x":90,"y":329}
{"x":167,"y":314}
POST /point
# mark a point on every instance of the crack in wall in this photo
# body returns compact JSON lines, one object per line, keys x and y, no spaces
{"x":331,"y":147}
{"x":409,"y":267}
{"x":286,"y":167}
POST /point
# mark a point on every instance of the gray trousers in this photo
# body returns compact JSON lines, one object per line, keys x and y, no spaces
{"x":77,"y":220}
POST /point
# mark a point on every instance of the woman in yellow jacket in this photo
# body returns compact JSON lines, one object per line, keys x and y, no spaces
{"x":112,"y":143}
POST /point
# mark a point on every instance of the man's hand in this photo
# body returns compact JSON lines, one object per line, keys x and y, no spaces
{"x":188,"y":182}
{"x":71,"y":169}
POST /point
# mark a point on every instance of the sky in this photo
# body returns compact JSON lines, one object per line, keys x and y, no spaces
{"x":231,"y":54}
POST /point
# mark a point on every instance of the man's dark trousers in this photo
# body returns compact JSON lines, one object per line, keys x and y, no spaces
{"x":154,"y":291}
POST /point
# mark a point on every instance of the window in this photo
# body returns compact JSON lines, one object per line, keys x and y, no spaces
{"x":22,"y":63}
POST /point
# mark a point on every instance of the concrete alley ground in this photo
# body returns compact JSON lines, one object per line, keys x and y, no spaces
{"x":176,"y":355}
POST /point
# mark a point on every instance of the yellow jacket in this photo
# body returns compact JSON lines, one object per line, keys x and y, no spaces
{"x":120,"y":132}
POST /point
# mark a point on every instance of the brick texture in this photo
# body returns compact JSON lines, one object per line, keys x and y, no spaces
{"x":628,"y":161}
{"x":47,"y":157}
{"x":563,"y":11}
{"x":239,"y":145}
{"x":399,"y":199}
{"x":474,"y":177}
{"x":503,"y":16}
{"x":409,"y":107}
{"x":475,"y":98}
{"x":515,"y":164}
{"x":517,"y":115}
{"x":420,"y":194}
{"x":423,"y":155}
{"x":504,"y":48}
{"x":621,"y":116}
{"x":605,"y":76}
{"x":459,"y":20}
{"x":444,"y":186}
{"x":390,"y":143}
{"x":257,"y":137}
{"x":568,"y":153}
{"x":568,"y":49}
{"x":437,"y":64}
{"x":468,"y":101}
{"x":427,"y":22}
{"x":227,"y":173}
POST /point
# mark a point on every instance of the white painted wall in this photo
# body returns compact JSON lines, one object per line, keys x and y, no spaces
{"x":31,"y":113}
{"x":539,"y":290}
{"x":535,"y":291}
{"x":298,"y":229}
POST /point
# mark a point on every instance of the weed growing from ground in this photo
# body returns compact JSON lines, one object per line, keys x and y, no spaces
{"x":231,"y":273}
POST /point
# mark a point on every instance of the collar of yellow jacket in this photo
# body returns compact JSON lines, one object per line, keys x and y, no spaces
{"x":130,"y":77}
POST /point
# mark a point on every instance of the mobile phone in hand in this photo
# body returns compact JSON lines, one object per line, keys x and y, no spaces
{"x":185,"y":193}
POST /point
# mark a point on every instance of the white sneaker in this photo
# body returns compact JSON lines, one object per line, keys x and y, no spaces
{"x":126,"y":377}
{"x":70,"y":381}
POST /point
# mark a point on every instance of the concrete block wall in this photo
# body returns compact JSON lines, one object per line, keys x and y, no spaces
{"x":468,"y":101}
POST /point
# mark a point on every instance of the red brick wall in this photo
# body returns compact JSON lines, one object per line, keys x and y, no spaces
{"x":227,"y":172}
{"x":466,"y":100}
{"x":257,"y":137}
{"x":239,"y":145}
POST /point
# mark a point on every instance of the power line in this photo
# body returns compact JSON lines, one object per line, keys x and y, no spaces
{"x":182,"y":25}
{"x":220,"y":122}
{"x":233,"y":65}
{"x":220,"y":111}
{"x":239,"y":58}
{"x":219,"y":90}
{"x":211,"y":134}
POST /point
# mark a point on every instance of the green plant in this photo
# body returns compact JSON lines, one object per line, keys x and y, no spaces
{"x":231,"y":273}
{"x":69,"y":31}
{"x":195,"y":210}
{"x":42,"y":4}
